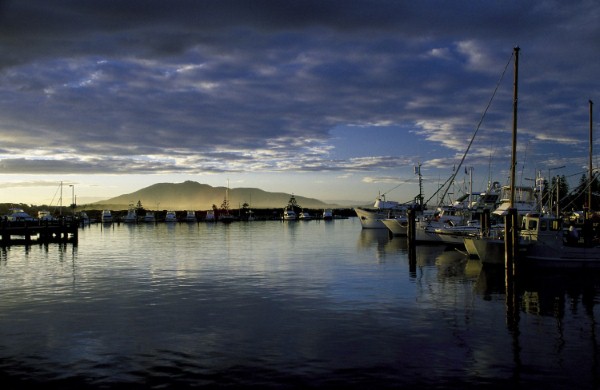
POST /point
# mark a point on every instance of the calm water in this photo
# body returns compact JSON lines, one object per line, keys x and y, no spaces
{"x":284,"y":305}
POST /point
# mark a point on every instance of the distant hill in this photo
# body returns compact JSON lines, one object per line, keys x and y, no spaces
{"x":191,"y":195}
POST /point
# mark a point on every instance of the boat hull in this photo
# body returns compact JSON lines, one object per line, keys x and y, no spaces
{"x":563,"y":256}
{"x":396,"y":226}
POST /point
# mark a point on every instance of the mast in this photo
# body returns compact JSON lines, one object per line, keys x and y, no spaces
{"x":511,"y":218}
{"x":591,"y":176}
{"x":513,"y":162}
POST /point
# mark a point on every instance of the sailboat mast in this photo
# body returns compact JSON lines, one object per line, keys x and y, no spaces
{"x":591,"y":175}
{"x":513,"y":162}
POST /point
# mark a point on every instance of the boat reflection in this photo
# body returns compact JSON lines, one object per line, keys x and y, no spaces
{"x":381,"y":240}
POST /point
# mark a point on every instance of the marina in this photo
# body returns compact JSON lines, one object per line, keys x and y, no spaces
{"x":273,"y":304}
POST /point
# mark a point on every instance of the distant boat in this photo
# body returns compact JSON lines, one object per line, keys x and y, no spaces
{"x":106,"y":216}
{"x":190,"y":216}
{"x":210,"y":216}
{"x":16,"y":214}
{"x":289,"y":214}
{"x":224,"y":215}
{"x":170,"y":217}
{"x":305,"y":216}
{"x":131,"y":216}
{"x":328,"y":214}
{"x":45,"y":215}
{"x":149,"y":217}
{"x":84,"y":218}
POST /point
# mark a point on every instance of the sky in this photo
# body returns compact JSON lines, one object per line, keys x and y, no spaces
{"x":333,"y":100}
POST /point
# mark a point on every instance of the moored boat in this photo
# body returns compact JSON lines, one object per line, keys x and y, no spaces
{"x":190,"y":216}
{"x":149,"y":217}
{"x":170,"y":217}
{"x":289,"y":214}
{"x":304,"y":216}
{"x":131,"y":216}
{"x":371,"y":217}
{"x":210,"y":216}
{"x":18,"y":214}
{"x":547,"y":242}
{"x":106,"y":216}
{"x":396,"y":226}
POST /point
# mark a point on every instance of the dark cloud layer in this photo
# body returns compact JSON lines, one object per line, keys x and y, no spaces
{"x":189,"y":86}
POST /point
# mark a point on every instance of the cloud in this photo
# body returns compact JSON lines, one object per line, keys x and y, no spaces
{"x":186,"y":86}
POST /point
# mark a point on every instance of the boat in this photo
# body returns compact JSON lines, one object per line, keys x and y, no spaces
{"x":452,"y":223}
{"x":304,"y":216}
{"x":289,"y":214}
{"x":492,"y":248}
{"x":224,"y":215}
{"x":190,"y":216}
{"x":45,"y":215}
{"x":149,"y":217}
{"x":210,"y":216}
{"x":170,"y":217}
{"x":106,"y":216}
{"x":84,"y":218}
{"x":371,"y":217}
{"x":396,"y":226}
{"x":525,"y":199}
{"x":131,"y":216}
{"x":547,"y":242}
{"x":327,"y":214}
{"x":18,"y":215}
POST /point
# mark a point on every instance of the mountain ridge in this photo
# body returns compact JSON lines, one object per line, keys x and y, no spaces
{"x":192,"y":195}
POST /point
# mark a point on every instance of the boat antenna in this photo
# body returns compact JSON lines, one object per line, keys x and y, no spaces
{"x":474,"y":134}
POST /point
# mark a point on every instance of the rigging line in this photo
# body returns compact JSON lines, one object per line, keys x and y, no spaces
{"x":524,"y":161}
{"x":474,"y":134}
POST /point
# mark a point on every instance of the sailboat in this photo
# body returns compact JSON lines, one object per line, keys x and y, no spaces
{"x":491,"y":245}
{"x":225,"y":216}
{"x":548,"y":242}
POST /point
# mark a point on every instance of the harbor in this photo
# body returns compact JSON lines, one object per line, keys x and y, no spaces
{"x":274,"y":304}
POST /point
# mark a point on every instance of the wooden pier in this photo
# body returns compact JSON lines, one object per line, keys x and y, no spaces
{"x":38,"y":232}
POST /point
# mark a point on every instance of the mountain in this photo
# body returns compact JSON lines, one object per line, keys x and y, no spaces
{"x":191,"y":195}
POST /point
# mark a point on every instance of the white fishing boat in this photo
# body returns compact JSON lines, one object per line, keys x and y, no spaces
{"x":131,"y":216}
{"x":190,"y":216}
{"x":304,"y":216}
{"x":45,"y":215}
{"x":170,"y":217}
{"x":396,"y":226}
{"x":327,"y":214}
{"x":547,"y":242}
{"x":149,"y":217}
{"x":18,"y":215}
{"x":210,"y":216}
{"x":106,"y":216}
{"x":84,"y":218}
{"x":289,"y":214}
{"x":371,"y":217}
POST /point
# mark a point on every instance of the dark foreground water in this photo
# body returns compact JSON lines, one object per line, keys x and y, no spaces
{"x":285,"y":305}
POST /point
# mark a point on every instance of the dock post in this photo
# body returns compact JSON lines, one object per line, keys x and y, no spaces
{"x":411,"y":237}
{"x":511,"y":240}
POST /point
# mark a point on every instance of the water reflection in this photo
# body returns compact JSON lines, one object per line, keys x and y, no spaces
{"x":264,"y":304}
{"x":385,"y":246}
